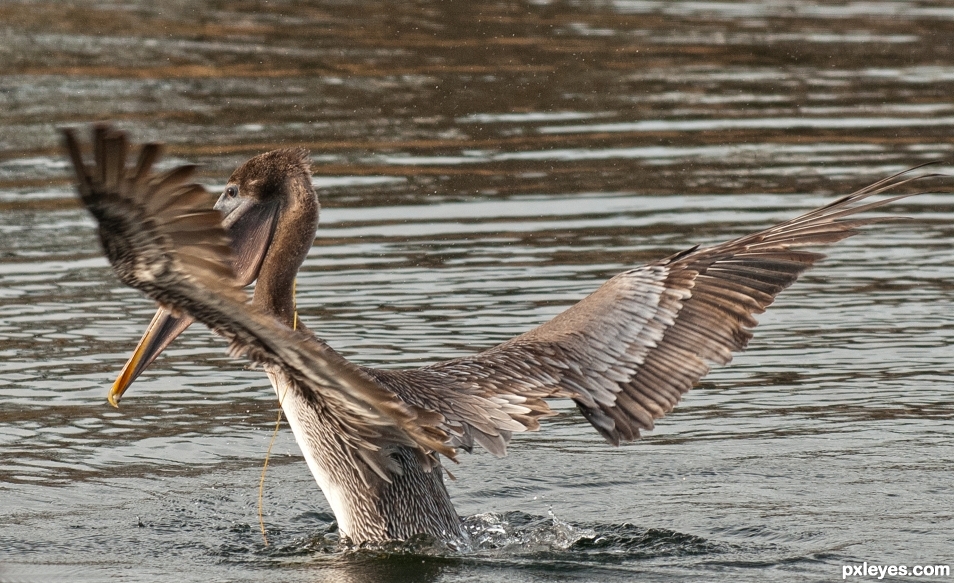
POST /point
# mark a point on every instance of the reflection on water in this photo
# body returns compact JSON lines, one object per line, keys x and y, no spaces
{"x":482,"y":166}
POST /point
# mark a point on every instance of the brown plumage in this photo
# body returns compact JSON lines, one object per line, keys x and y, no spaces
{"x":625,"y":354}
{"x":628,"y":352}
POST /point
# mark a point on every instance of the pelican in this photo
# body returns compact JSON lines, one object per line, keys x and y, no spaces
{"x":373,"y":439}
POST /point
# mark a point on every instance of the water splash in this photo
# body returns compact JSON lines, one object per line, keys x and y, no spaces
{"x":516,"y":533}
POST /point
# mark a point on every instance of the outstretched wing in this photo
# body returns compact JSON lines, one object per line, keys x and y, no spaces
{"x":627,"y":353}
{"x":162,"y":236}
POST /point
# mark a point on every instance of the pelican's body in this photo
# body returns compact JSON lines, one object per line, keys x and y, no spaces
{"x":372,"y":438}
{"x":413,"y":502}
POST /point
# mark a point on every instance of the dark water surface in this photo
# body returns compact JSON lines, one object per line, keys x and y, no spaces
{"x":481,"y":166}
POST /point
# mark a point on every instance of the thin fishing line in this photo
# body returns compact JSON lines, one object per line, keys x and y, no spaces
{"x":278,"y":423}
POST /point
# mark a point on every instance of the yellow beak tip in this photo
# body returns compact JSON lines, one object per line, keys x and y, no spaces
{"x":111,"y":398}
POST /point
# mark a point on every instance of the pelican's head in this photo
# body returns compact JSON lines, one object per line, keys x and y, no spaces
{"x":270,"y":211}
{"x":273,"y":185}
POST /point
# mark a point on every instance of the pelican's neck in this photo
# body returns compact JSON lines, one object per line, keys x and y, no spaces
{"x":293,"y":237}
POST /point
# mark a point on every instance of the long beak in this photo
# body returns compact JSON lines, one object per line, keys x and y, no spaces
{"x":163,"y":329}
{"x":251,"y":227}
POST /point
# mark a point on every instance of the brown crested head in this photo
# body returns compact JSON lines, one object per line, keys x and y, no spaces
{"x":266,"y":173}
{"x":270,"y":211}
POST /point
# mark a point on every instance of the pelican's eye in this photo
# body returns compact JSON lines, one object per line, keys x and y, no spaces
{"x":231,"y":191}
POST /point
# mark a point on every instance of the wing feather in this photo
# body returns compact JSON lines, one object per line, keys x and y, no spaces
{"x":162,"y":236}
{"x":627,"y":353}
